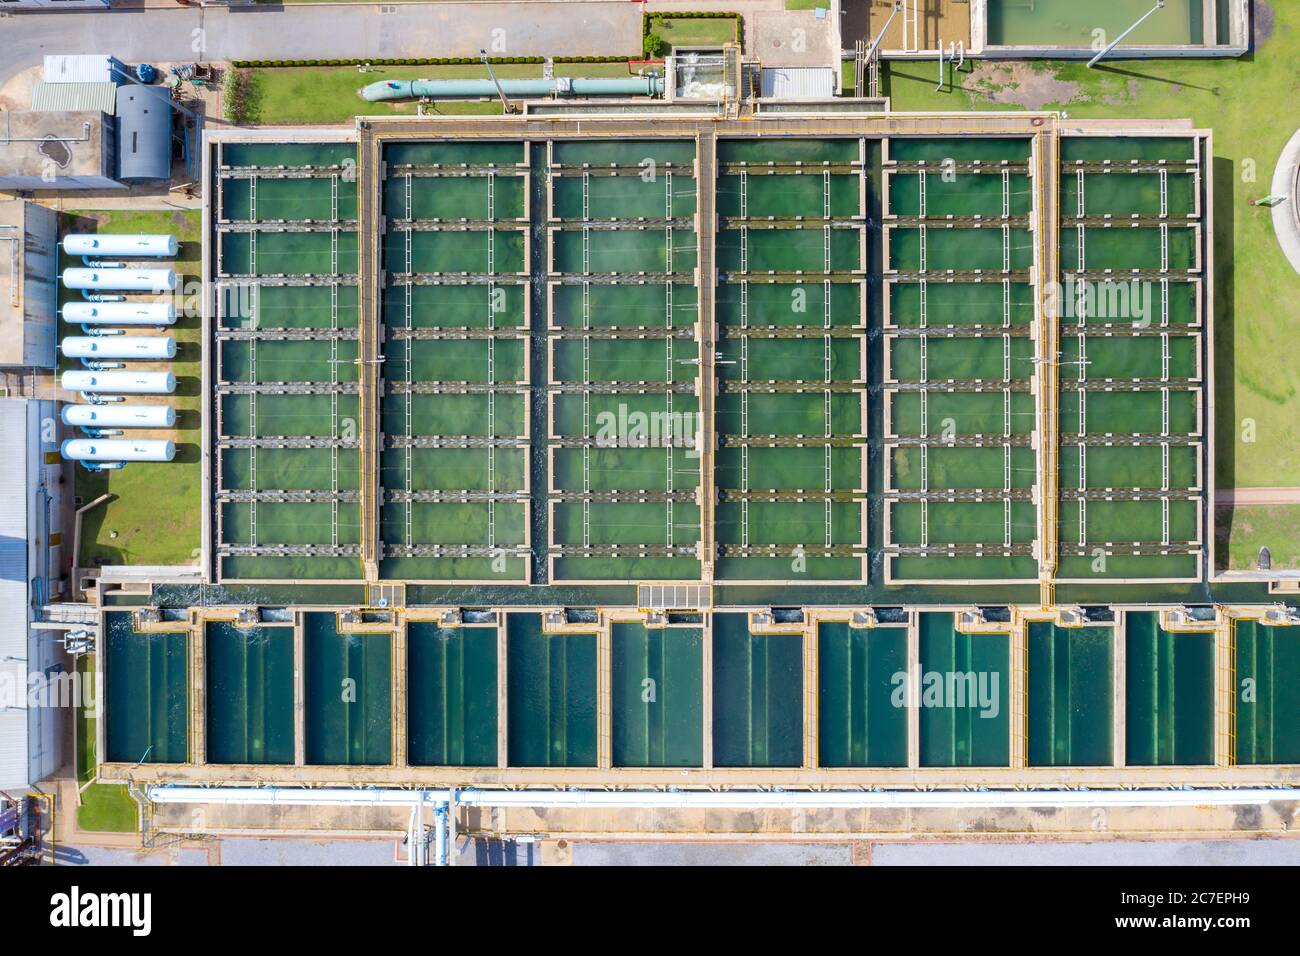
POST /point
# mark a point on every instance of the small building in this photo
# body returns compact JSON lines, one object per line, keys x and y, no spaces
{"x":74,"y":97}
{"x":33,"y":666}
{"x":29,"y":263}
{"x":72,"y":150}
{"x":144,"y":133}
{"x":81,"y":67}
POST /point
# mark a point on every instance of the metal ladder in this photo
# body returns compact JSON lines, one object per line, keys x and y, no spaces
{"x":334,"y":198}
{"x":1164,"y":193}
{"x":408,"y":452}
{"x":1083,"y":241}
{"x":924,"y":235}
{"x":1006,"y":303}
{"x":1006,"y":357}
{"x":921,"y":184}
{"x":1081,"y":204}
{"x":1006,"y":248}
{"x":1164,"y":303}
{"x":1006,"y":194}
{"x":252,"y":198}
{"x":252,"y":253}
{"x":252,"y":451}
{"x":1164,"y":247}
{"x":924,"y":292}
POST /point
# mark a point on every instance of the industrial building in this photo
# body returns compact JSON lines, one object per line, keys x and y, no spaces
{"x":58,"y":151}
{"x":33,"y":493}
{"x":28,"y":284}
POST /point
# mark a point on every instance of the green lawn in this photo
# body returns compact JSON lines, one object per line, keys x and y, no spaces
{"x":320,"y":95}
{"x":108,"y":808}
{"x":694,"y":31}
{"x":156,"y":508}
{"x":807,"y":4}
{"x":1258,"y":383}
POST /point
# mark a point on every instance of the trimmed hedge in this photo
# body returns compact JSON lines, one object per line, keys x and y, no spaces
{"x":401,"y":61}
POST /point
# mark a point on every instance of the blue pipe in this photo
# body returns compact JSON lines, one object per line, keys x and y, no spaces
{"x":560,"y":86}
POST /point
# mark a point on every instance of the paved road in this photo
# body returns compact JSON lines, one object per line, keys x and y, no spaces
{"x":331,"y":31}
{"x":1257,"y":496}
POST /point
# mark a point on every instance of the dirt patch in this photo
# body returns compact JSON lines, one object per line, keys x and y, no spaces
{"x":1019,"y":84}
{"x":1264,"y":24}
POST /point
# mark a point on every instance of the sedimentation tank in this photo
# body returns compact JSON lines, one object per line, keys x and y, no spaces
{"x":560,"y":86}
{"x":129,"y":383}
{"x":119,"y":347}
{"x":121,"y":280}
{"x":137,"y":247}
{"x":118,"y":449}
{"x":119,"y":416}
{"x":120,"y":313}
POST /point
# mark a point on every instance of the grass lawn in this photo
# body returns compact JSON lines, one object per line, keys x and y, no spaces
{"x":807,"y":4}
{"x":1238,"y":100}
{"x":108,"y":808}
{"x":321,"y":95}
{"x":155,"y":510}
{"x":694,"y":31}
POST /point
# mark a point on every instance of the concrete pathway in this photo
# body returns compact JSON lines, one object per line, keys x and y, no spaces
{"x":1286,"y":219}
{"x":1257,"y":496}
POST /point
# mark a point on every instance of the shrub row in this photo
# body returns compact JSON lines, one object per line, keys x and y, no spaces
{"x":401,"y":61}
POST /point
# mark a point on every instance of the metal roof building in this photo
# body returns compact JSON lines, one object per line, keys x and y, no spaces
{"x":798,"y":83}
{"x":29,"y":260}
{"x":75,"y":97}
{"x":30,"y":500}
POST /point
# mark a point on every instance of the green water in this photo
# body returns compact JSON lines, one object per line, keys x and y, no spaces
{"x":862,"y":720}
{"x":770,"y":150}
{"x":791,"y":250}
{"x":146,"y":685}
{"x":1070,"y":691}
{"x":250,"y":678}
{"x":625,"y":304}
{"x":453,"y":153}
{"x":454,"y":306}
{"x":933,"y":149}
{"x":1069,"y":23}
{"x":1267,"y":697}
{"x":971,"y":413}
{"x":288,"y":154}
{"x":289,"y":253}
{"x":455,"y":251}
{"x":1131,"y":413}
{"x":624,"y":250}
{"x":625,"y":196}
{"x":292,"y":307}
{"x":552,"y":694}
{"x":1127,"y":194}
{"x":964,"y":696}
{"x":451,"y":696}
{"x":788,"y":196}
{"x":960,"y":194}
{"x":960,"y":249}
{"x":624,"y":152}
{"x":757,"y":696}
{"x":349,"y":685}
{"x":453,"y":198}
{"x":1170,"y":698}
{"x":1122,"y":149}
{"x":658,"y":696}
{"x":961,"y":303}
{"x":789,"y":303}
{"x":288,"y":199}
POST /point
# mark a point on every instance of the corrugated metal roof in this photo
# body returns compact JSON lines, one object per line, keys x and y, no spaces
{"x":798,"y":83}
{"x":73,"y":97}
{"x":13,"y":585}
{"x":79,"y":68}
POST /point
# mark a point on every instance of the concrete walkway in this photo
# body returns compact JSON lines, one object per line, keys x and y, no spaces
{"x":1286,"y":220}
{"x":1257,"y":496}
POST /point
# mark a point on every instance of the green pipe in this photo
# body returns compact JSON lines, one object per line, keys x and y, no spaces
{"x":560,"y":86}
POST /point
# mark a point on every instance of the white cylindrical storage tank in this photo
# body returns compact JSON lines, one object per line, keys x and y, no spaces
{"x":120,"y":280}
{"x":120,"y":313}
{"x":134,"y":247}
{"x":119,"y":416}
{"x":128,"y":383}
{"x":118,"y":449}
{"x":119,"y":346}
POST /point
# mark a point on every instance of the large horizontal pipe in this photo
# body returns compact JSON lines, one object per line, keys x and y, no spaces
{"x":138,"y":247}
{"x":119,"y":346}
{"x":120,"y":313}
{"x":119,"y":416}
{"x":118,"y":449}
{"x":738,"y":800}
{"x":560,"y":86}
{"x":129,"y":383}
{"x":121,"y":280}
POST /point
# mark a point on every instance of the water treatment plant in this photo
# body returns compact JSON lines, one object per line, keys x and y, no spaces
{"x":627,"y":450}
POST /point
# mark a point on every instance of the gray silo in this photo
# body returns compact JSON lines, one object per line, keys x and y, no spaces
{"x":144,"y":133}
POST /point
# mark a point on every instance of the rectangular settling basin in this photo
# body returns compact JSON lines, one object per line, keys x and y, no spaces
{"x":451,"y":695}
{"x":1170,"y":707}
{"x":658,"y":686}
{"x":861,"y":710}
{"x":349,"y":680}
{"x":1267,"y":715}
{"x":964,"y":696}
{"x":147,"y":694}
{"x":757,"y":696}
{"x":1070,"y":693}
{"x":250,"y":694}
{"x":551,"y":686}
